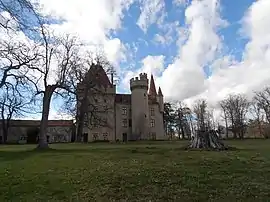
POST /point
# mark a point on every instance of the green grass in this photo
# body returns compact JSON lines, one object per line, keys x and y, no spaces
{"x":154,"y":171}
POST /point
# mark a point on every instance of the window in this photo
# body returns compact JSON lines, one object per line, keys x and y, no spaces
{"x":153,"y":136}
{"x":124,"y":111}
{"x":130,"y":123}
{"x":152,"y":112}
{"x":125,"y":123}
{"x":105,"y":136}
{"x":152,"y":123}
{"x":95,"y":122}
{"x":95,"y":136}
{"x":105,"y":100}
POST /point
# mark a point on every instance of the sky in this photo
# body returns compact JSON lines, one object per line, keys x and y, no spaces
{"x":194,"y":48}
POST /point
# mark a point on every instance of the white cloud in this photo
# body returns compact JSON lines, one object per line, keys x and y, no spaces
{"x":160,"y":39}
{"x":152,"y":11}
{"x":168,"y":33}
{"x":185,"y":79}
{"x":181,"y":2}
{"x":186,"y":74}
{"x":92,"y":21}
{"x":150,"y":65}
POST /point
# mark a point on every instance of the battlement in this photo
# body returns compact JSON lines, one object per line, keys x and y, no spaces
{"x":139,"y":82}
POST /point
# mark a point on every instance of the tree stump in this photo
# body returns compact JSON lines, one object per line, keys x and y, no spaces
{"x":208,"y":140}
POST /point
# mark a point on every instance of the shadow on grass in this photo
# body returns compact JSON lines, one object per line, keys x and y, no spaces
{"x":21,"y":155}
{"x":149,"y":150}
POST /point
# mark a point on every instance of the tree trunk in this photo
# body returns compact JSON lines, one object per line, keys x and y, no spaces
{"x":207,"y":140}
{"x":5,"y":127}
{"x":82,"y":111}
{"x":226,"y":125}
{"x":81,"y":120}
{"x":42,"y":142}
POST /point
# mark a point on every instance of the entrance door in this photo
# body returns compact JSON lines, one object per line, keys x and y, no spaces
{"x":85,"y":137}
{"x":124,"y":137}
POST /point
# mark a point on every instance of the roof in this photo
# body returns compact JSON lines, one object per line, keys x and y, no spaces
{"x":152,"y":89}
{"x":123,"y":98}
{"x":160,"y":92}
{"x":98,"y":76}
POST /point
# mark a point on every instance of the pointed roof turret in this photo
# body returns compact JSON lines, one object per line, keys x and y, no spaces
{"x":160,"y":92}
{"x":152,"y":89}
{"x":97,"y":75}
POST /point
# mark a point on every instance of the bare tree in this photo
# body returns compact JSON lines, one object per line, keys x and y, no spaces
{"x":182,"y":120}
{"x":16,"y":10}
{"x":205,"y":136}
{"x":17,"y":58}
{"x":263,"y":101}
{"x":225,"y":116}
{"x":257,"y":113}
{"x":236,"y":107}
{"x":12,"y":105}
{"x":199,"y":109}
{"x":86,"y":90}
{"x":58,"y":56}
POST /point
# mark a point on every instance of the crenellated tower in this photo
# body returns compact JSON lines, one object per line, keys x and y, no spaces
{"x":139,"y":107}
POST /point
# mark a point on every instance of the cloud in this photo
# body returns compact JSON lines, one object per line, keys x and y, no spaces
{"x":186,"y":73}
{"x":152,"y":11}
{"x":181,"y":2}
{"x":150,"y":65}
{"x":159,"y":39}
{"x":92,"y":21}
{"x":168,"y":32}
{"x":185,"y":78}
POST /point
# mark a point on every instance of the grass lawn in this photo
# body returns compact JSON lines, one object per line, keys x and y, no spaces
{"x":154,"y":171}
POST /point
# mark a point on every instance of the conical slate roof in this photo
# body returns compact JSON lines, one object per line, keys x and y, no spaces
{"x":160,"y":92}
{"x":152,"y":89}
{"x":98,"y":76}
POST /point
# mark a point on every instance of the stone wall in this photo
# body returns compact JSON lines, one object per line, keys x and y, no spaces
{"x":58,"y":131}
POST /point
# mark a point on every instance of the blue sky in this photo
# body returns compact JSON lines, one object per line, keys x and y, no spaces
{"x":130,"y":33}
{"x":194,"y":48}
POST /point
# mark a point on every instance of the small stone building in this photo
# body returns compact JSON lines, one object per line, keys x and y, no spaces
{"x":21,"y":130}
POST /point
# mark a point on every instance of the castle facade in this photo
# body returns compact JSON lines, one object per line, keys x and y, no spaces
{"x":122,"y":117}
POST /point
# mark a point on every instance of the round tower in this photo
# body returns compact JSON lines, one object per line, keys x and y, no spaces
{"x":139,"y":107}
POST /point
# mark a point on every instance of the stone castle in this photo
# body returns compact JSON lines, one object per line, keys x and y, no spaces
{"x":124,"y":117}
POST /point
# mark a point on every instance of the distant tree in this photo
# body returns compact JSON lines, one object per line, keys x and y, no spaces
{"x":12,"y":106}
{"x":223,"y":105}
{"x":169,"y":118}
{"x":206,"y":136}
{"x":183,"y":120}
{"x":236,"y":107}
{"x":262,"y":98}
{"x":199,"y":109}
{"x":179,"y":120}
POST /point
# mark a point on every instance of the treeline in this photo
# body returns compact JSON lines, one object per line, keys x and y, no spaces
{"x":235,"y":116}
